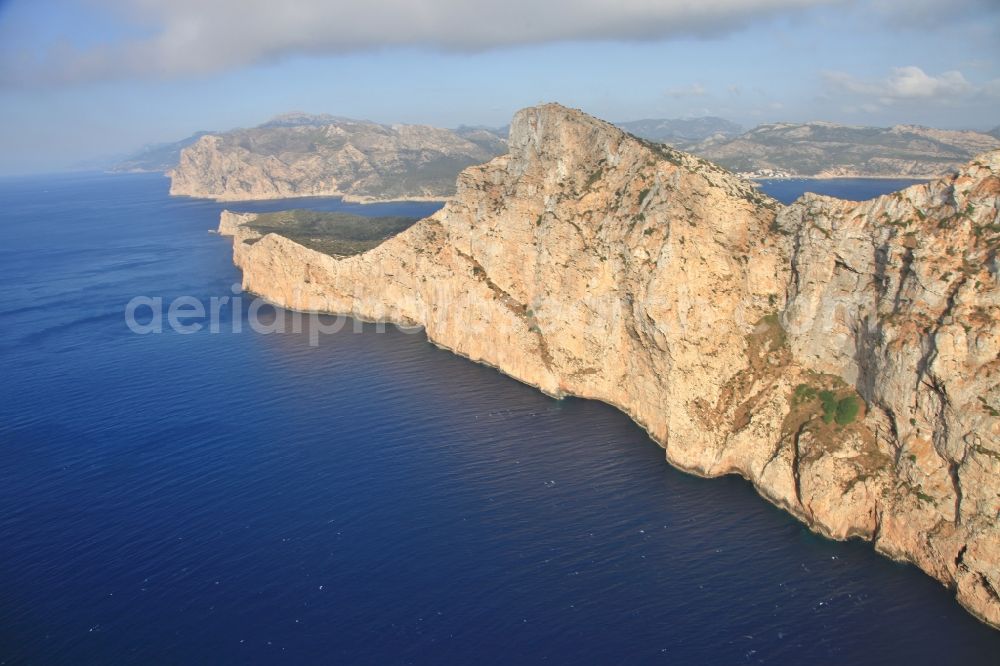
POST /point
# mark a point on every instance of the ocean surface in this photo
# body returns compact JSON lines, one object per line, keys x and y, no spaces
{"x":235,"y":497}
{"x":855,"y":189}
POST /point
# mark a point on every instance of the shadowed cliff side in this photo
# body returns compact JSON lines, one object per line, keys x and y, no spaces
{"x":788,"y":345}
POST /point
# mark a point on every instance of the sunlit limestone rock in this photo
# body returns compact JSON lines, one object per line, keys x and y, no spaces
{"x":841,"y":356}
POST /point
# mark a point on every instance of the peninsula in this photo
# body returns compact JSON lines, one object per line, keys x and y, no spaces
{"x":841,"y":356}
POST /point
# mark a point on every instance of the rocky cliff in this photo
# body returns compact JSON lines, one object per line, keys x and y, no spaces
{"x":841,"y":356}
{"x":298,"y":155}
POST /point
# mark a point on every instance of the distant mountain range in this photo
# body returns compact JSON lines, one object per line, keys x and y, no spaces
{"x":491,"y":139}
{"x":816,"y":149}
{"x":827,"y":150}
{"x":299,"y":119}
{"x":682,"y":131}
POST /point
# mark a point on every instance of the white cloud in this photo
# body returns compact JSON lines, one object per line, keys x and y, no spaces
{"x":907,"y":84}
{"x":198,"y":36}
{"x":913,"y":82}
{"x":693,"y":90}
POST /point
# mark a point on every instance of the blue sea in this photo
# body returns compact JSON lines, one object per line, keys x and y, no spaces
{"x":854,"y":189}
{"x":235,"y":497}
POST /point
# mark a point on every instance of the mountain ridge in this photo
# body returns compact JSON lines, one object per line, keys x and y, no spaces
{"x":357,"y":159}
{"x":681,"y":131}
{"x":829,"y":150}
{"x":816,"y":149}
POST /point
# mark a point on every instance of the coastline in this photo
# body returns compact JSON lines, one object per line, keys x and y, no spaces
{"x":346,"y":198}
{"x":711,"y":365}
{"x":773,"y":495}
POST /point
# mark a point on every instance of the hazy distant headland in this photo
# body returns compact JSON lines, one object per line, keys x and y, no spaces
{"x":301,"y":155}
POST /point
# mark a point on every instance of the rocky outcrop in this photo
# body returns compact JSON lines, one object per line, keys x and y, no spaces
{"x":841,"y":356}
{"x":293,"y":156}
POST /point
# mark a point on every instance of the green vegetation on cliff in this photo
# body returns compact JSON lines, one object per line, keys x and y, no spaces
{"x":336,"y":234}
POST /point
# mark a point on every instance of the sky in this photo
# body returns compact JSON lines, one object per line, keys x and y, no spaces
{"x":85,"y":81}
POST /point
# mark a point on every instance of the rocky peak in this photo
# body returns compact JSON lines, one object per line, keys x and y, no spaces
{"x":547,"y":127}
{"x":580,"y":153}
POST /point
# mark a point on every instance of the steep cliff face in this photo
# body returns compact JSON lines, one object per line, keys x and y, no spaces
{"x":899,"y":296}
{"x":361,"y":160}
{"x":739,"y":333}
